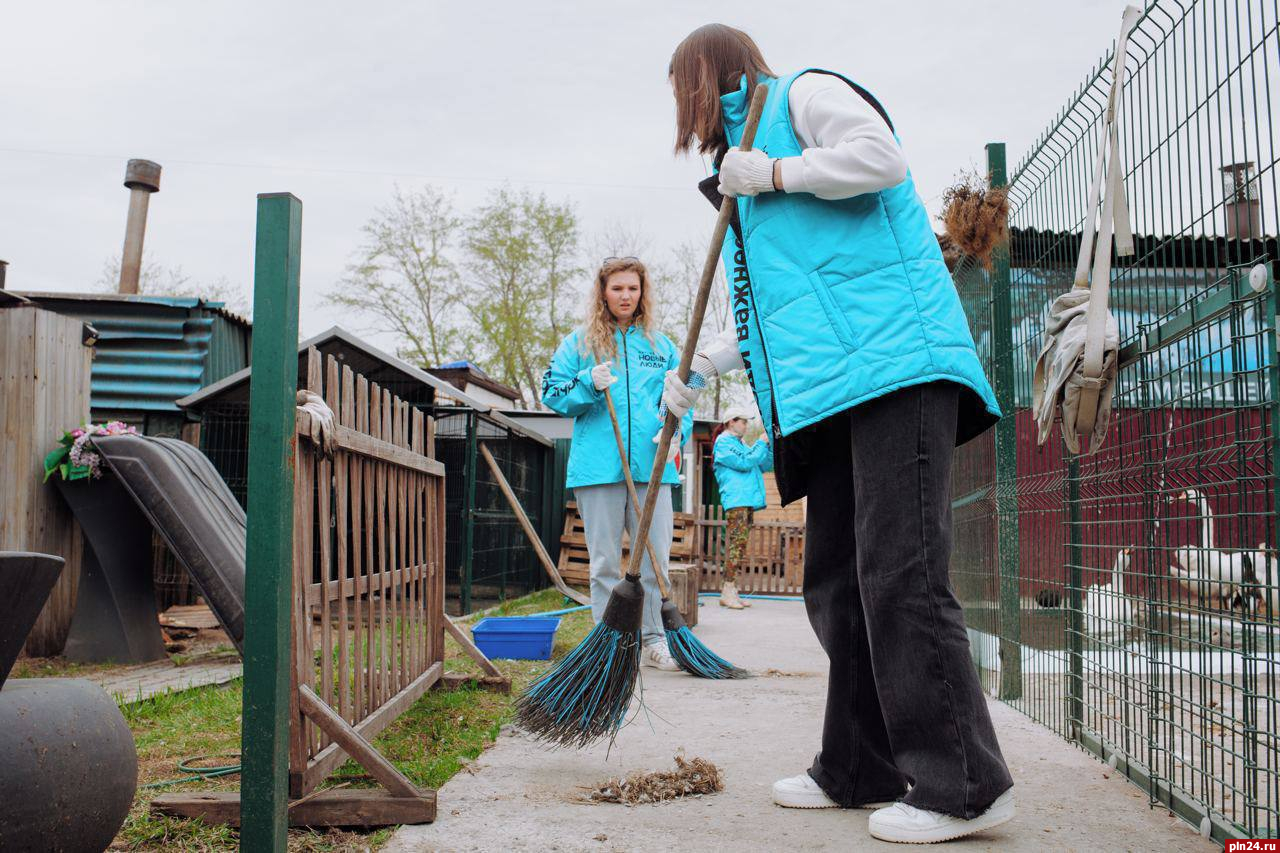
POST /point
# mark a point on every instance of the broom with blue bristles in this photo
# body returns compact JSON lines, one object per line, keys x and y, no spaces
{"x":689,"y":652}
{"x":587,"y":695}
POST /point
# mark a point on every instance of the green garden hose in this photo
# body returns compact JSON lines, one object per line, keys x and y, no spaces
{"x":187,"y":765}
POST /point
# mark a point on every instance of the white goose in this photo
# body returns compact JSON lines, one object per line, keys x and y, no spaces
{"x":1107,"y":612}
{"x":1209,"y":573}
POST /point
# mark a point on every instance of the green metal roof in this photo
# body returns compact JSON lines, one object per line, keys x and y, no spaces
{"x":153,"y":350}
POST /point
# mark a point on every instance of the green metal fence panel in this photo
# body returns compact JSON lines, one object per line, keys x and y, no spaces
{"x":487,"y":557}
{"x":1144,"y":575}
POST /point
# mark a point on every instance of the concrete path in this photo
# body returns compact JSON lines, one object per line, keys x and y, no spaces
{"x":135,"y":683}
{"x":520,"y":795}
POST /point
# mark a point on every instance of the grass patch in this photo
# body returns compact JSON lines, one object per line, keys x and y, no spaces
{"x":438,"y":736}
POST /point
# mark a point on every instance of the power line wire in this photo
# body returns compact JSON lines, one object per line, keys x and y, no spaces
{"x":358,"y":172}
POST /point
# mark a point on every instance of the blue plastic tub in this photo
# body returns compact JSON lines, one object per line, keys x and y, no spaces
{"x":516,"y":637}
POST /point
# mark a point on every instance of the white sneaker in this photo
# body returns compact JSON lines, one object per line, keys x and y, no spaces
{"x":657,"y":656}
{"x":801,"y":792}
{"x":908,"y":825}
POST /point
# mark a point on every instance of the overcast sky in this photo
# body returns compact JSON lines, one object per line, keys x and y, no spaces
{"x":338,"y":103}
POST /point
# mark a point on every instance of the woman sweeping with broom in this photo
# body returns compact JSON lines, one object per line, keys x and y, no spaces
{"x":739,"y":471}
{"x":617,"y":348}
{"x":862,"y":364}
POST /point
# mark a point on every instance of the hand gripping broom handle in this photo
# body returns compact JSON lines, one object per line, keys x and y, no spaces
{"x":658,"y":570}
{"x":691,"y":340}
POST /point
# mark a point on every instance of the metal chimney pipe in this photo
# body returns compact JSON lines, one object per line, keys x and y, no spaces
{"x":142,"y":177}
{"x":4,"y":266}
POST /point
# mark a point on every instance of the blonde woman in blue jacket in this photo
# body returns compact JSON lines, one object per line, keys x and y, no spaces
{"x":739,"y":473}
{"x":618,"y":347}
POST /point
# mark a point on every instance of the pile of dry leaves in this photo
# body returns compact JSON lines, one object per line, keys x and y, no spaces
{"x":691,"y":777}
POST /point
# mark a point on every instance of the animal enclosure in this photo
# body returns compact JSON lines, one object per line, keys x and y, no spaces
{"x":1106,"y":594}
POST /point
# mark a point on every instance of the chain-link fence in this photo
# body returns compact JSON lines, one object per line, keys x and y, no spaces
{"x":1130,"y":599}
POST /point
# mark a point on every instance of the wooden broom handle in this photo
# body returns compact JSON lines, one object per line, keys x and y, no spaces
{"x":658,"y":570}
{"x":691,"y":339}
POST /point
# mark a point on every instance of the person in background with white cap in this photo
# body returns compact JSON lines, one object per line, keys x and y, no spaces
{"x":740,"y":476}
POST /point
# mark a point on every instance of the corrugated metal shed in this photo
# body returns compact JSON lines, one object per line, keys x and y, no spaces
{"x":153,"y":350}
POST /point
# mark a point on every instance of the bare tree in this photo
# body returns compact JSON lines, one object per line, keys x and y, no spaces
{"x":158,"y":280}
{"x":405,"y":277}
{"x":677,"y":280}
{"x":619,"y":239}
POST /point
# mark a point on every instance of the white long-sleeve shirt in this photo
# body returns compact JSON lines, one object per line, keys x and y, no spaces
{"x":848,"y":150}
{"x":848,"y":147}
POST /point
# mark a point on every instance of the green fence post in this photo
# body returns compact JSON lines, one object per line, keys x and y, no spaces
{"x":1075,"y":603}
{"x":269,"y":541}
{"x":1006,"y":451}
{"x":469,"y":515}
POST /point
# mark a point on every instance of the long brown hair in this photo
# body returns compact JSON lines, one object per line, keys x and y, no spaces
{"x":599,"y":323}
{"x":717,"y":431}
{"x":709,"y":63}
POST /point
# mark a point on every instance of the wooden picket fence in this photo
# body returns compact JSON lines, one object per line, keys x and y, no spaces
{"x":775,"y":555}
{"x":368,"y":616}
{"x":369,"y":621}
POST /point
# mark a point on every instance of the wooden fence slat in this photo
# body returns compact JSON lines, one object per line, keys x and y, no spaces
{"x":774,"y":559}
{"x":401,"y":562}
{"x":342,"y":467}
{"x":314,"y":465}
{"x":324,"y":496}
{"x":366,"y":405}
{"x":298,"y":752}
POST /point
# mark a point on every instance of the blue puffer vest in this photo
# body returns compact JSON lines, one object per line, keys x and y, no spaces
{"x":840,"y":302}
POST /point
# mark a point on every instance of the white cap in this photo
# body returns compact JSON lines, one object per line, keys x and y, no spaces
{"x":747,"y":413}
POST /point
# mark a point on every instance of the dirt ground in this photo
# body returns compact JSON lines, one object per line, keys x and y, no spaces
{"x":520,"y":795}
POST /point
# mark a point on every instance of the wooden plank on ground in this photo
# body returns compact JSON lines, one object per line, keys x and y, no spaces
{"x":345,"y":807}
{"x":460,"y":637}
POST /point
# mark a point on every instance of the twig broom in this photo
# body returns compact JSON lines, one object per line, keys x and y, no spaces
{"x":689,"y":652}
{"x":587,"y":695}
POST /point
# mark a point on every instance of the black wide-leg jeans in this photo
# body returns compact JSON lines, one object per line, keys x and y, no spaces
{"x":904,"y":704}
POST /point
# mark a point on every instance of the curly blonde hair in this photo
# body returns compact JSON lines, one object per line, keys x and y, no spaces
{"x":599,"y":324}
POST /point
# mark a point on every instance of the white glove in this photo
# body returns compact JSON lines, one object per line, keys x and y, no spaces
{"x":745,"y":172}
{"x":677,"y":397}
{"x":602,"y":375}
{"x":674,"y":450}
{"x":322,"y":420}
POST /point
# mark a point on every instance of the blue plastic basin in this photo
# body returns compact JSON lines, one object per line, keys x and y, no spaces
{"x":516,"y":637}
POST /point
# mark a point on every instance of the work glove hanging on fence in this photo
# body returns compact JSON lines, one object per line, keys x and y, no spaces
{"x":1059,"y":379}
{"x":322,"y":420}
{"x":1075,"y":369}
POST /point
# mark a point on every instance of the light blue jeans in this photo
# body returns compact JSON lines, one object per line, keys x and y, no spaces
{"x":605,"y":510}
